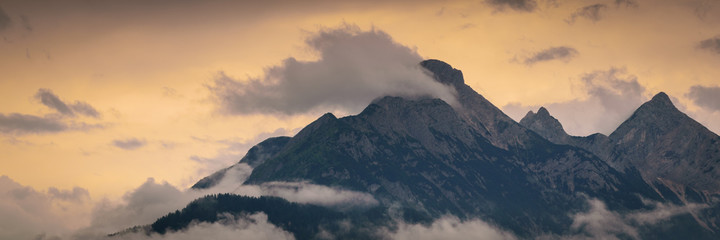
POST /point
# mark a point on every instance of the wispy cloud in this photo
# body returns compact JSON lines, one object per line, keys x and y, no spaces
{"x":16,"y":123}
{"x":451,"y":227}
{"x":129,"y":143}
{"x":52,"y":101}
{"x":711,"y":45}
{"x":563,"y":53}
{"x":626,"y":3}
{"x":64,"y":120}
{"x":593,"y":13}
{"x":598,"y":222}
{"x":517,"y":5}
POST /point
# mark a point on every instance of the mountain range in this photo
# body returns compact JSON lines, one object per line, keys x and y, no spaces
{"x":422,"y":158}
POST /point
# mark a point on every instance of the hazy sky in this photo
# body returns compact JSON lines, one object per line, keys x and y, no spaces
{"x":104,"y":94}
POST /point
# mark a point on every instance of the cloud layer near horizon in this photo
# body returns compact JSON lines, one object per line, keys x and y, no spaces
{"x":354,"y":67}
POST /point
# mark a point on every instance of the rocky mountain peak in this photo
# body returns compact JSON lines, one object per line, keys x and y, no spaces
{"x":658,"y":116}
{"x":443,"y":72}
{"x":661,"y":102}
{"x":544,"y":124}
{"x":542,"y":112}
{"x":665,"y":143}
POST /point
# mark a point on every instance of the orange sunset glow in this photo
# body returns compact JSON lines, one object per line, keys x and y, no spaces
{"x":101,"y":96}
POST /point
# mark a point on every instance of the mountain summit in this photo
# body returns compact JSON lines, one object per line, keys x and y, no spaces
{"x":667,"y":145}
{"x":545,"y":125}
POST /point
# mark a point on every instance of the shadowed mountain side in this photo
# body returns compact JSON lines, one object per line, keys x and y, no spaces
{"x":479,"y":113}
{"x":470,"y":160}
{"x":424,"y":154}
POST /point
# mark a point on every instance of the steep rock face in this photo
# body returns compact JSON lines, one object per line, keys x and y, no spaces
{"x":486,"y":118}
{"x":665,"y":144}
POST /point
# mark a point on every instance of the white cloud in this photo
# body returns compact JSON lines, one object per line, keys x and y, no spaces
{"x":450,"y":227}
{"x":27,"y":213}
{"x":153,"y":200}
{"x":299,"y":192}
{"x":601,"y":223}
{"x":354,"y":67}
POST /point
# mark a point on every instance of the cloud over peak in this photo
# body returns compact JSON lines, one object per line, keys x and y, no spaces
{"x":354,"y":68}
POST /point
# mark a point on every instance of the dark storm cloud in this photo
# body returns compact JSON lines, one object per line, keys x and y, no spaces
{"x":706,"y":97}
{"x":592,"y":13}
{"x":561,"y":53}
{"x":129,"y":144}
{"x":710,"y":44}
{"x":354,"y":68}
{"x":49,"y":99}
{"x":4,"y":20}
{"x":16,"y":123}
{"x":518,"y":5}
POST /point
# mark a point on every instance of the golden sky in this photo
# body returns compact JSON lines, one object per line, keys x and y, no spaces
{"x":147,"y":67}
